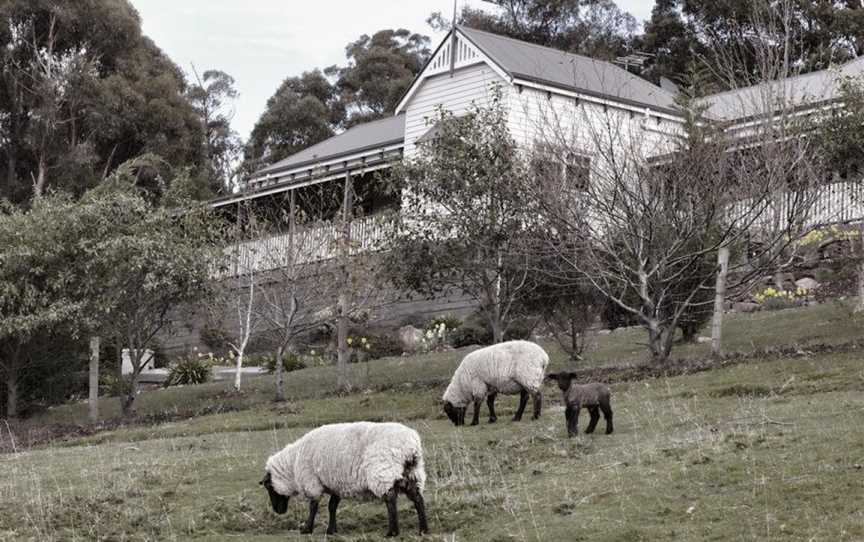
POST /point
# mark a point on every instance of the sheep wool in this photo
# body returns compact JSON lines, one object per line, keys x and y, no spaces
{"x":587,"y":395}
{"x":349,"y":459}
{"x":509,"y":368}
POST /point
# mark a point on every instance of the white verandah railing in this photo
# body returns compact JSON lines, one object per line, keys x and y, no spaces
{"x":831,"y":203}
{"x":312,"y":243}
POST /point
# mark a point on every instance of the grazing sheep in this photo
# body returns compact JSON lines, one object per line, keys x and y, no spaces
{"x":509,"y":368}
{"x":349,"y":460}
{"x":593,"y":396}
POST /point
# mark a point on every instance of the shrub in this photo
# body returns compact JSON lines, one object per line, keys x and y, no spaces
{"x":111,"y":385}
{"x":474,"y":330}
{"x":520,"y":329}
{"x":368,"y":346}
{"x":189,"y":370}
{"x":291,"y":361}
{"x":450,"y":321}
{"x":214,"y":337}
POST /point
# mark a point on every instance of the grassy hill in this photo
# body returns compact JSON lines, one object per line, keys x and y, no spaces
{"x":768,"y":449}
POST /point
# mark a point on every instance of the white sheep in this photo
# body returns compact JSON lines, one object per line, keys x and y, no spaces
{"x":511,"y":367}
{"x":594,"y":396}
{"x":359,"y":459}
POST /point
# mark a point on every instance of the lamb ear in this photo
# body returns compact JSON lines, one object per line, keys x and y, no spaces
{"x":553,"y":376}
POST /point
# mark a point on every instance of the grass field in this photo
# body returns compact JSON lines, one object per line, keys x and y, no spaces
{"x":772,"y":449}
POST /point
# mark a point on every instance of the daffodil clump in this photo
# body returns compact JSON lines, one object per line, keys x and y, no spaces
{"x":359,"y":343}
{"x":829,"y":232}
{"x":772,"y":298}
{"x":435,"y":337}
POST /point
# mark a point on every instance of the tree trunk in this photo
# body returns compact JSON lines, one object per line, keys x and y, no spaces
{"x":12,"y":393}
{"x":342,"y":353}
{"x":659,"y":342}
{"x":238,"y":373}
{"x":497,"y":331}
{"x":41,"y":176}
{"x":719,"y":301}
{"x":93,"y":399}
{"x":127,"y":406}
{"x":859,"y":307}
{"x":128,"y":403}
{"x":280,"y":374}
{"x":11,"y":175}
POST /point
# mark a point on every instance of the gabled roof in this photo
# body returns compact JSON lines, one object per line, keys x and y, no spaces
{"x":801,"y":90}
{"x":369,"y":135}
{"x":544,"y":65}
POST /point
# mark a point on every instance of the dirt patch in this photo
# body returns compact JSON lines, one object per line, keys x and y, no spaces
{"x":19,"y":436}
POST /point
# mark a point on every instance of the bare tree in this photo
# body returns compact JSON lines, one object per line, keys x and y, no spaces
{"x":239,"y":295}
{"x":648,"y":224}
{"x":309,"y":272}
{"x":301,"y":282}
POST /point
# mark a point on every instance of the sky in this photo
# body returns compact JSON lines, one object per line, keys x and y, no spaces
{"x":261,"y":42}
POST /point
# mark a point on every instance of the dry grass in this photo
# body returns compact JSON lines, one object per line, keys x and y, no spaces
{"x":758,"y":451}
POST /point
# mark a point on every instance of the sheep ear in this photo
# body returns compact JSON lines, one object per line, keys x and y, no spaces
{"x":265,"y":480}
{"x":552,"y":376}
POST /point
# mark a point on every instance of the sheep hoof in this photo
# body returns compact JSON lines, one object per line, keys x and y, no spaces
{"x":391,"y":534}
{"x":493,"y":420}
{"x":331,"y":530}
{"x":305,"y":530}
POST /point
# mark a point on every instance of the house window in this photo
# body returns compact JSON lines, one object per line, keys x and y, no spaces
{"x":565,"y":165}
{"x":577,"y":170}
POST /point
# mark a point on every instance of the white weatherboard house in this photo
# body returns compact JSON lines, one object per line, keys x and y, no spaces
{"x":550,"y":96}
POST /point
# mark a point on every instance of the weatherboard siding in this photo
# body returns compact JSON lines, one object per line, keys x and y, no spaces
{"x":536,"y":116}
{"x":471,"y":84}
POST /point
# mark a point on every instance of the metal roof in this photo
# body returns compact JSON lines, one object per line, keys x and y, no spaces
{"x":556,"y":68}
{"x":369,"y":135}
{"x":808,"y":89}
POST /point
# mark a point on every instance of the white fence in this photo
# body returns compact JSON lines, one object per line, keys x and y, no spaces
{"x":833,"y":203}
{"x":312,"y":243}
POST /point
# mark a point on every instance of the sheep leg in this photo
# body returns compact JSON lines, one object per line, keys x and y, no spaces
{"x":523,"y":400}
{"x":417,"y":498}
{"x":538,"y":404}
{"x":490,"y":401}
{"x":392,"y":519}
{"x":572,"y":415}
{"x":310,"y":521}
{"x":476,"y":419}
{"x":332,"y":506}
{"x":607,"y":414}
{"x":595,"y":417}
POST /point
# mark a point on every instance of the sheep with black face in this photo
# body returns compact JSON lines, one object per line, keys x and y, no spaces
{"x":361,"y":459}
{"x":594,"y":396}
{"x":510,"y":367}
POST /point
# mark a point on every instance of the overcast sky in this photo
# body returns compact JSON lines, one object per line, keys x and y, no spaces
{"x":261,"y":42}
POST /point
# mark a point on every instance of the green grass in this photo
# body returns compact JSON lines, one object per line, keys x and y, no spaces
{"x":831,"y":323}
{"x":758,"y":451}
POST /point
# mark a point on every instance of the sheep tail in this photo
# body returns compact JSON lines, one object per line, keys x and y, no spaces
{"x":413,"y":473}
